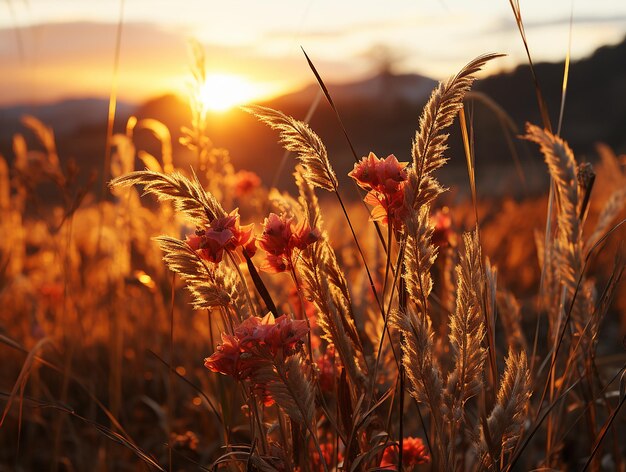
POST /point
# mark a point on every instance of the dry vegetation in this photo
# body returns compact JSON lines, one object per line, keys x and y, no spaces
{"x":313,"y":322}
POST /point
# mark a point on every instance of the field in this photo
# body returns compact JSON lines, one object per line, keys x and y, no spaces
{"x":176,"y":317}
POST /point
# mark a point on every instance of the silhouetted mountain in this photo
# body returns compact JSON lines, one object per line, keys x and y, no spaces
{"x":595,"y":107}
{"x":385,"y":89}
{"x":380,"y":114}
{"x":65,"y":116}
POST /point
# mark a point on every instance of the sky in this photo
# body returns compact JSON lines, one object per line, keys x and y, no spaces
{"x":54,"y":49}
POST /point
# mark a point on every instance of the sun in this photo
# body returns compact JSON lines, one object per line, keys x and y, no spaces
{"x":222,"y":92}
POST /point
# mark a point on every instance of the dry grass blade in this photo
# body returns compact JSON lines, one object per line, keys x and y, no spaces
{"x":23,"y":376}
{"x":45,"y":135}
{"x":467,"y":330}
{"x":109,"y":433}
{"x":162,"y":133}
{"x":296,"y":136}
{"x":338,"y":329}
{"x":199,"y":206}
{"x":290,"y":388}
{"x":566,"y":72}
{"x":612,"y":208}
{"x":505,"y":422}
{"x":543,"y":107}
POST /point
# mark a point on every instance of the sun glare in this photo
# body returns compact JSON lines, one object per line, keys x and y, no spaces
{"x":222,"y":92}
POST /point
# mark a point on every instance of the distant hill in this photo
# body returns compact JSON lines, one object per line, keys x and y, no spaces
{"x":595,"y":108}
{"x":66,"y":116}
{"x":380,"y":113}
{"x":385,"y":89}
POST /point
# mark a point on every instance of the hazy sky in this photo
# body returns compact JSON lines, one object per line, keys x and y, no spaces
{"x":51,"y":49}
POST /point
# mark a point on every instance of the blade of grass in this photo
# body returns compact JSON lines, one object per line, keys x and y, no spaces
{"x":566,"y":72}
{"x":343,"y":129}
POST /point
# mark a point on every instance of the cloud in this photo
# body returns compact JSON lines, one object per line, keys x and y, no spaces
{"x":46,"y":62}
{"x":507,"y":24}
{"x":362,"y":27}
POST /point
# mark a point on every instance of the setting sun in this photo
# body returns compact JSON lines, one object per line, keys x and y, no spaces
{"x":224,"y":91}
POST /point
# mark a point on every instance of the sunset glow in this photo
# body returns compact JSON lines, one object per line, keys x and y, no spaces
{"x":224,"y":91}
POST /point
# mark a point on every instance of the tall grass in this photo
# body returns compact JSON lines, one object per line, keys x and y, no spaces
{"x":283,"y":345}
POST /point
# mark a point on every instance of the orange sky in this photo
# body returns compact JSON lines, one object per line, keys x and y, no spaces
{"x":61,"y":49}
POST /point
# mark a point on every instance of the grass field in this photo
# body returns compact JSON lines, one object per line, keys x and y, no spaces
{"x":197,"y":319}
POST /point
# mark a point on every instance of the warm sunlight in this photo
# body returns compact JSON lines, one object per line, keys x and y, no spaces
{"x":224,"y":91}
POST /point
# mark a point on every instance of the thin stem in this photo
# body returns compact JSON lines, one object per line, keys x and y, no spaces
{"x":170,"y":416}
{"x":358,"y":246}
{"x":243,"y":281}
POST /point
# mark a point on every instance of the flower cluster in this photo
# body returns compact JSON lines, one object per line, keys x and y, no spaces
{"x":384,"y":179}
{"x":222,"y":234}
{"x":256,"y":342}
{"x":413,"y":453}
{"x":281,"y":237}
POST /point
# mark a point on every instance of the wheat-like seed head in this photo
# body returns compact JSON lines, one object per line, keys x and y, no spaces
{"x":209,"y":288}
{"x":188,"y":196}
{"x":327,"y":288}
{"x":563,"y":169}
{"x":467,"y":329}
{"x":290,"y":387}
{"x":612,"y":208}
{"x":417,"y":355}
{"x":296,"y":136}
{"x":419,"y":256}
{"x":430,"y":139}
{"x":506,"y":420}
{"x":308,"y":200}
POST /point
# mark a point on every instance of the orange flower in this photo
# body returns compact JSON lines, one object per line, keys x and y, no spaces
{"x":280,"y":238}
{"x":413,"y":453}
{"x":381,"y":175}
{"x":256,"y":342}
{"x":222,"y":234}
{"x":226,"y":359}
{"x":385,"y":180}
{"x":279,"y":335}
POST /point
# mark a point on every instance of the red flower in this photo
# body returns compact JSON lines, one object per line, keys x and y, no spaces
{"x":382,"y":175}
{"x":285,"y":335}
{"x":279,"y":335}
{"x":387,"y":206}
{"x":245,"y":182}
{"x":221,"y":234}
{"x":385,"y":180}
{"x":413,"y":453}
{"x":276,"y":235}
{"x":279,"y":239}
{"x":256,"y":342}
{"x":226,"y":359}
